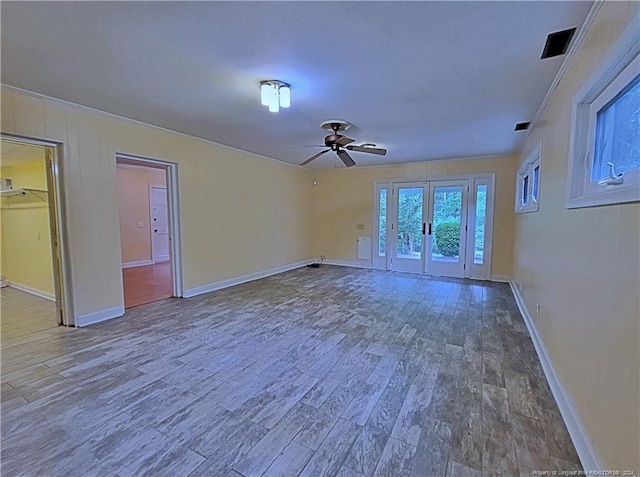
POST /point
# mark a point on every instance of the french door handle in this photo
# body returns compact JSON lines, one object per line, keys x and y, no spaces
{"x":429,"y":228}
{"x":424,"y":228}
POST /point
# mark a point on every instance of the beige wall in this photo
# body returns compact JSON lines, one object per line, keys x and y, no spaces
{"x":240,"y":213}
{"x":344,"y":198}
{"x":25,"y":232}
{"x":582,"y":267}
{"x":133,"y":196}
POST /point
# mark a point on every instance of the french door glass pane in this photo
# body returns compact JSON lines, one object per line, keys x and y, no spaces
{"x":481,"y":214}
{"x":447,"y":206}
{"x":382,"y":223}
{"x":409,"y":244}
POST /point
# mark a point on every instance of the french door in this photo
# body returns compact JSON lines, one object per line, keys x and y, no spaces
{"x":440,"y":227}
{"x":408,"y":226}
{"x":446,"y":251}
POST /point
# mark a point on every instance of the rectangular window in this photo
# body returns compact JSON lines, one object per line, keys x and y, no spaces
{"x":481,"y":217}
{"x":382,"y":223}
{"x":617,"y":138}
{"x":604,"y":154}
{"x":525,"y":191}
{"x":528,"y":185}
{"x":536,"y":179}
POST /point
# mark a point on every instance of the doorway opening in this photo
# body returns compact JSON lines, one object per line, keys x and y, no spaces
{"x":441,"y":226}
{"x":148,"y":230}
{"x":35,"y":291}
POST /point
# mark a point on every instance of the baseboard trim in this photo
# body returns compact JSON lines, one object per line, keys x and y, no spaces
{"x":32,"y":291}
{"x":244,"y":278}
{"x":139,"y":263}
{"x":581,"y":440}
{"x":500,"y":278}
{"x":342,"y":263}
{"x":98,"y":316}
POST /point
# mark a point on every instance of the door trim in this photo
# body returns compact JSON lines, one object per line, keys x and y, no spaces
{"x":173,"y":202}
{"x":58,"y":212}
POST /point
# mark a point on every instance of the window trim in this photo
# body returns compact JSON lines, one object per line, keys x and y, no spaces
{"x":613,"y":74}
{"x":526,"y":173}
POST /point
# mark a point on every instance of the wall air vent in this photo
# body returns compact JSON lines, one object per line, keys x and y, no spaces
{"x":522,"y":126}
{"x":557,"y":43}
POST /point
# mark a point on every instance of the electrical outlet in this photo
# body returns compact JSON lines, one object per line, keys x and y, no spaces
{"x":140,"y":224}
{"x":538,"y":310}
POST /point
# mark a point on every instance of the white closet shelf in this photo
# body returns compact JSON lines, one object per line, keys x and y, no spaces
{"x":26,"y":192}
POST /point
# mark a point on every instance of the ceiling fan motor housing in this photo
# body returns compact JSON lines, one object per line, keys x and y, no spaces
{"x":331,"y":139}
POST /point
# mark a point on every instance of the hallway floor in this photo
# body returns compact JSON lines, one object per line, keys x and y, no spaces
{"x":147,"y":284}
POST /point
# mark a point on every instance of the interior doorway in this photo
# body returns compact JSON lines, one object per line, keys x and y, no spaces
{"x":34,"y":292}
{"x":147,"y":230}
{"x":441,"y":226}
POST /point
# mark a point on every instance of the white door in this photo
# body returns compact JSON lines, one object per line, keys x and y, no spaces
{"x":159,"y":224}
{"x":447,"y":228}
{"x":407,"y":233}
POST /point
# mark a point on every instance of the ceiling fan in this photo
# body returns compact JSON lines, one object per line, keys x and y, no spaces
{"x":340,"y":144}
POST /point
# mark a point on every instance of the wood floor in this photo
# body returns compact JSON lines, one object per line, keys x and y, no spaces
{"x":147,"y":284}
{"x":313,"y":372}
{"x":23,"y":314}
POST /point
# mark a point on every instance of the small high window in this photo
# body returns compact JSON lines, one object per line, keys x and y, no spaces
{"x":528,"y":185}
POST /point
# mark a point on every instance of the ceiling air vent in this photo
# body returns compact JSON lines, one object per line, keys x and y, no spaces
{"x":557,"y":43}
{"x":522,"y":126}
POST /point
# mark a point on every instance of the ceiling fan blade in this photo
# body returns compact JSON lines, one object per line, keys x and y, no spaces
{"x":308,"y":145}
{"x":346,"y":158}
{"x":370,"y":150}
{"x":316,"y":156}
{"x":343,"y":141}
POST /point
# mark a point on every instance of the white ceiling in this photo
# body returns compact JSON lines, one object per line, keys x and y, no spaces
{"x":426,"y":80}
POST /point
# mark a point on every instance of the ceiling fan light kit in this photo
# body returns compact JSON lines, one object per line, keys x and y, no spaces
{"x":337,"y":143}
{"x":275,"y":94}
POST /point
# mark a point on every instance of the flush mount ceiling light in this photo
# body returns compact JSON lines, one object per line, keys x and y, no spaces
{"x":275,"y":94}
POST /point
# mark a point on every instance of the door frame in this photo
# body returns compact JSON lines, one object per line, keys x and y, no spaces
{"x":383,"y":263}
{"x":58,"y":213}
{"x":173,"y":203}
{"x":153,"y":255}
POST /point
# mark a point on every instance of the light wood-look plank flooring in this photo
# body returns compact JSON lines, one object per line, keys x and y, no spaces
{"x":313,"y":372}
{"x":147,"y":284}
{"x":24,"y":314}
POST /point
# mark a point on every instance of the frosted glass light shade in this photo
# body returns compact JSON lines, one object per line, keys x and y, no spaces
{"x":265,"y":94}
{"x":285,"y":97}
{"x":274,"y":107}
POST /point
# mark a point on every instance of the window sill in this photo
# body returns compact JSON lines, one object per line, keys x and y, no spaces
{"x":527,"y":210}
{"x":607,"y":197}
